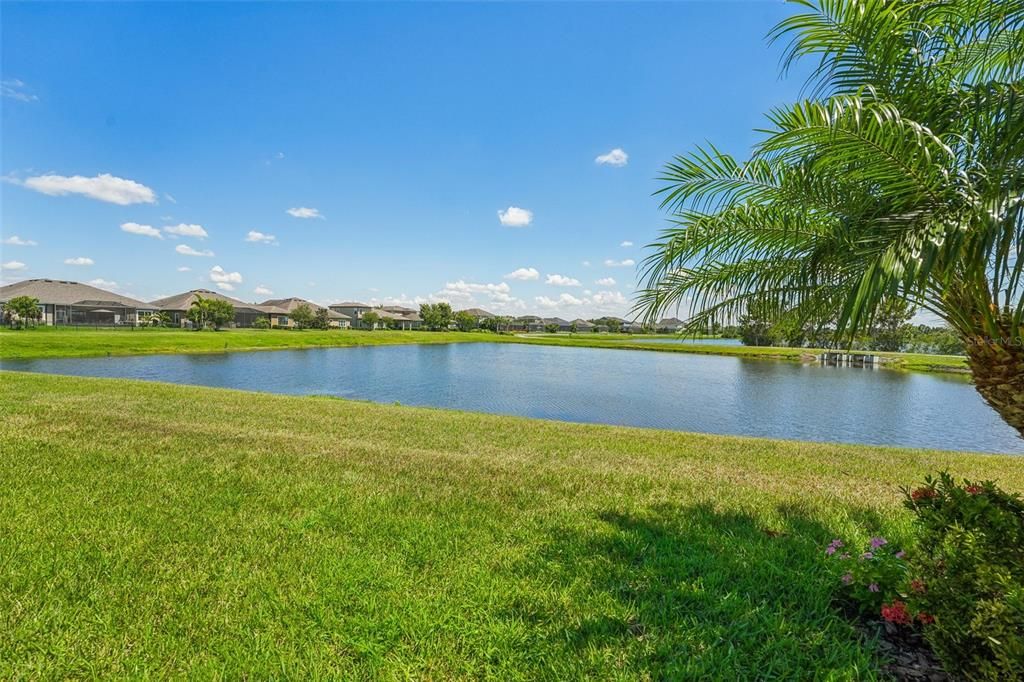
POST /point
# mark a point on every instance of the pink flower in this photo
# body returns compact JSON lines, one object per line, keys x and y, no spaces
{"x":833,"y":546}
{"x":867,"y":555}
{"x":873,"y":587}
{"x":974,"y":489}
{"x":878,"y":542}
{"x":847,"y":578}
{"x":900,"y":554}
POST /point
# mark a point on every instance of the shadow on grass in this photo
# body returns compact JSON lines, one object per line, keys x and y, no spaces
{"x":694,"y":593}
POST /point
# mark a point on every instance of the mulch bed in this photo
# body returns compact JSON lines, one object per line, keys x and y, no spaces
{"x":907,"y":656}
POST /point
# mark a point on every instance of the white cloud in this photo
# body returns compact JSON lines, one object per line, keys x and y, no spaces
{"x":186,"y":250}
{"x":303,"y":212}
{"x":279,"y":155}
{"x":80,"y":260}
{"x":514,"y":216}
{"x":186,"y":230}
{"x":13,"y":265}
{"x":609,"y":298}
{"x":626,"y":244}
{"x":606,"y":282}
{"x":562,"y":281}
{"x":262,"y":291}
{"x":255,"y":236}
{"x":525,"y":274}
{"x":145,"y":230}
{"x":616,"y":157}
{"x":100,"y":282}
{"x":586,"y":264}
{"x":170,"y":198}
{"x":564,"y":299}
{"x":473,"y":288}
{"x":104,"y":187}
{"x":15,"y":240}
{"x":620,"y":263}
{"x":15,"y":89}
{"x":184,"y":268}
{"x":223,"y":279}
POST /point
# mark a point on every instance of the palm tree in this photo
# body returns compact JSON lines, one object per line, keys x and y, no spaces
{"x":900,"y":177}
{"x":199,"y":312}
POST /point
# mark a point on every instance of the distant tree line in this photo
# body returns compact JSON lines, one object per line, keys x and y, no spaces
{"x":890,"y":330}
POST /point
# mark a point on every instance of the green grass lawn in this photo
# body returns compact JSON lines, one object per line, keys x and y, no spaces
{"x":152,"y":530}
{"x":52,"y":342}
{"x":43,"y":342}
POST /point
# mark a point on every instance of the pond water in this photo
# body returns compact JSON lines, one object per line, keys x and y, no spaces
{"x":637,"y":388}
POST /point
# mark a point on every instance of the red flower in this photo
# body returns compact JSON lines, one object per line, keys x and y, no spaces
{"x":974,"y":489}
{"x":926,"y":618}
{"x":896,"y":613}
{"x":917,"y":585}
{"x":923,"y":494}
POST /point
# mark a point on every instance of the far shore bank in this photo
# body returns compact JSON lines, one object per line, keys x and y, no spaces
{"x":50,"y":342}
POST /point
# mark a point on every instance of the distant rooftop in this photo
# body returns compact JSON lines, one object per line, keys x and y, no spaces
{"x":64,"y":292}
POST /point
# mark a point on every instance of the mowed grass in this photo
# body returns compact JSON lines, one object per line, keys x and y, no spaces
{"x":65,"y":342}
{"x":152,"y":530}
{"x":49,"y":342}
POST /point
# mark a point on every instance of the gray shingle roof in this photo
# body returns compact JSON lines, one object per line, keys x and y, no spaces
{"x":290,"y":304}
{"x":62,"y":292}
{"x":184,"y":300}
{"x":478,"y":312}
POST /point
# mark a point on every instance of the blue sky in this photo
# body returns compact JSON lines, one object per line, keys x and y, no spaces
{"x":406,"y":129}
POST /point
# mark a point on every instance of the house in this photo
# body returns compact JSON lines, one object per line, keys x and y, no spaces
{"x":246,"y":314}
{"x":563,"y":325}
{"x":582,"y":325}
{"x":479,"y":313}
{"x":397,"y":317}
{"x":334,"y":318}
{"x":528,"y":323}
{"x":63,"y":302}
{"x":352,"y":310}
{"x":403,"y":318}
{"x":670,"y":325}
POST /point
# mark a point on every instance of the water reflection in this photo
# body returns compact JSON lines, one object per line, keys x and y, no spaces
{"x":638,"y":388}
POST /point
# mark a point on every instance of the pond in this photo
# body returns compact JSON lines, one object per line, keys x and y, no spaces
{"x":683,"y":392}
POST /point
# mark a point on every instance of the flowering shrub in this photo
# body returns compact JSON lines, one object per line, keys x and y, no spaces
{"x":967,"y":576}
{"x":871,"y":578}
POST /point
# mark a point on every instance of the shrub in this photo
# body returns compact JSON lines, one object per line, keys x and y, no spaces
{"x":872,"y":580}
{"x":967,"y":575}
{"x":261,"y":323}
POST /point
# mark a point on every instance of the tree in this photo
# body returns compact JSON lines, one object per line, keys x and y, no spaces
{"x":210,"y":312}
{"x":755,"y":327}
{"x":465,"y":321}
{"x":551,"y":328}
{"x":22,"y":310}
{"x":436,"y":316}
{"x":320,"y":319}
{"x":302,"y":315}
{"x":370,"y":320}
{"x":901,"y":178}
{"x":156,"y":319}
{"x":574,"y":327}
{"x":891,"y":330}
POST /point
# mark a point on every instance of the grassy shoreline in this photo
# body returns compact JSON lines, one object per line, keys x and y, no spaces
{"x":70,"y":342}
{"x":148,"y":529}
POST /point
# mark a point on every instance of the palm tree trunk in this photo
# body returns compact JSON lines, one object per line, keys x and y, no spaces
{"x":999,"y":377}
